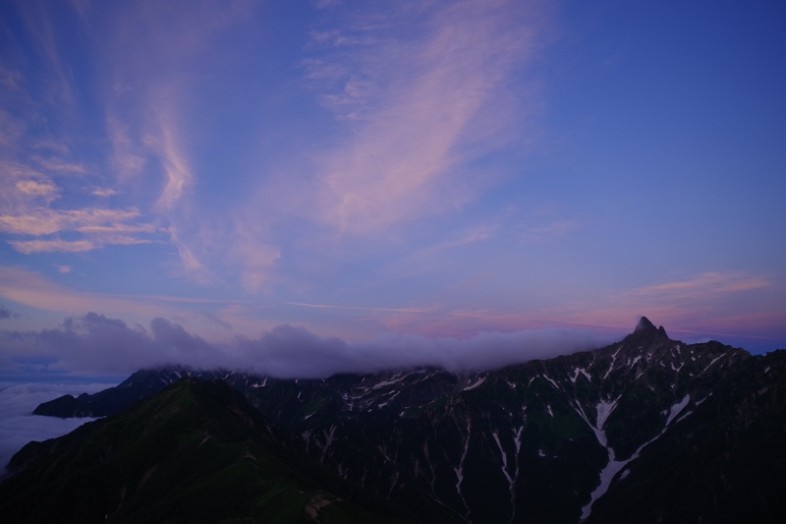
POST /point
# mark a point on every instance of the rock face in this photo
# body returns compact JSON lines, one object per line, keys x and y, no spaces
{"x":648,"y":429}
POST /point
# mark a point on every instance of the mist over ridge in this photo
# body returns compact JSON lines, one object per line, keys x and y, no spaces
{"x":96,"y":344}
{"x":646,"y":429}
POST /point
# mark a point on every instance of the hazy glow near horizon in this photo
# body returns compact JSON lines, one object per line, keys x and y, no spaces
{"x":200,"y":174}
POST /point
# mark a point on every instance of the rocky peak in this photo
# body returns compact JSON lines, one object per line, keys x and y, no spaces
{"x":645,"y":327}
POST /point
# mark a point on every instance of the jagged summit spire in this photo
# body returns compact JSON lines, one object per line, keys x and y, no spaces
{"x":645,"y":326}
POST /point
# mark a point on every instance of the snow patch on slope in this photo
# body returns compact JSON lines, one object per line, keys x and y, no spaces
{"x":603,"y":410}
{"x":475,"y":384}
{"x":614,"y":466}
{"x":576,"y":372}
{"x":459,"y":470}
{"x":677,"y":408}
{"x":611,"y":366}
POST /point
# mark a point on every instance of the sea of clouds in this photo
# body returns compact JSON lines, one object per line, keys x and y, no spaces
{"x":18,"y":425}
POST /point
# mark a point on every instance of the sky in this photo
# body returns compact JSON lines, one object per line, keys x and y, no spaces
{"x":361,"y":183}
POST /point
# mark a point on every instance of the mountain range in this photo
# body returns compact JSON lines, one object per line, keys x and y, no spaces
{"x":648,"y":429}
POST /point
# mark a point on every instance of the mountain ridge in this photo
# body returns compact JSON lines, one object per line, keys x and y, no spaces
{"x":196,"y":451}
{"x":544,"y":441}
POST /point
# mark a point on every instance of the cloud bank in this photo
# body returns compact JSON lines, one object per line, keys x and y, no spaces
{"x":98,"y":345}
{"x":20,"y":426}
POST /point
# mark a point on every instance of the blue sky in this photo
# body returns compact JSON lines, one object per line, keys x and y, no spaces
{"x":372,"y":172}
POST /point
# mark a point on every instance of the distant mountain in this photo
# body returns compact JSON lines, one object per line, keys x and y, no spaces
{"x":139,"y":386}
{"x":648,"y":430}
{"x":195,"y":452}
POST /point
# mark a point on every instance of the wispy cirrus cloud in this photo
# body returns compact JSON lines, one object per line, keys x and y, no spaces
{"x":417,"y":93}
{"x":257,"y":259}
{"x":29,"y":247}
{"x":178,"y":174}
{"x":127,"y":157}
{"x":152,"y":95}
{"x":145,"y":103}
{"x":194,"y":267}
{"x":25,"y":186}
{"x":59,"y":165}
{"x":467,"y":237}
{"x":116,"y":228}
{"x":104,"y":192}
{"x":418,"y":107}
{"x":44,"y":221}
{"x":367,"y":309}
{"x":703,"y":286}
{"x":40,"y":22}
{"x":532,"y":233}
{"x":38,"y":189}
{"x":97,"y":227}
{"x":44,"y":184}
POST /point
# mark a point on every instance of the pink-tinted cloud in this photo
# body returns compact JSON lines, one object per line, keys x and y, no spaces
{"x":257,"y":259}
{"x":152,"y":96}
{"x":703,"y":286}
{"x":33,"y":290}
{"x":60,"y":166}
{"x":104,"y":192}
{"x":40,"y":189}
{"x":365,"y":309}
{"x":28,"y":247}
{"x":97,"y":227}
{"x":706,"y":303}
{"x":178,"y":174}
{"x":420,"y":106}
{"x":127,"y":157}
{"x":118,"y":228}
{"x":193,"y":267}
{"x":417,"y":93}
{"x":44,"y":221}
{"x":434,"y":105}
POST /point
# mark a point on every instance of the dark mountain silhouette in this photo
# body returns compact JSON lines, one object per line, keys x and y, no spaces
{"x":194,"y":452}
{"x":648,"y":429}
